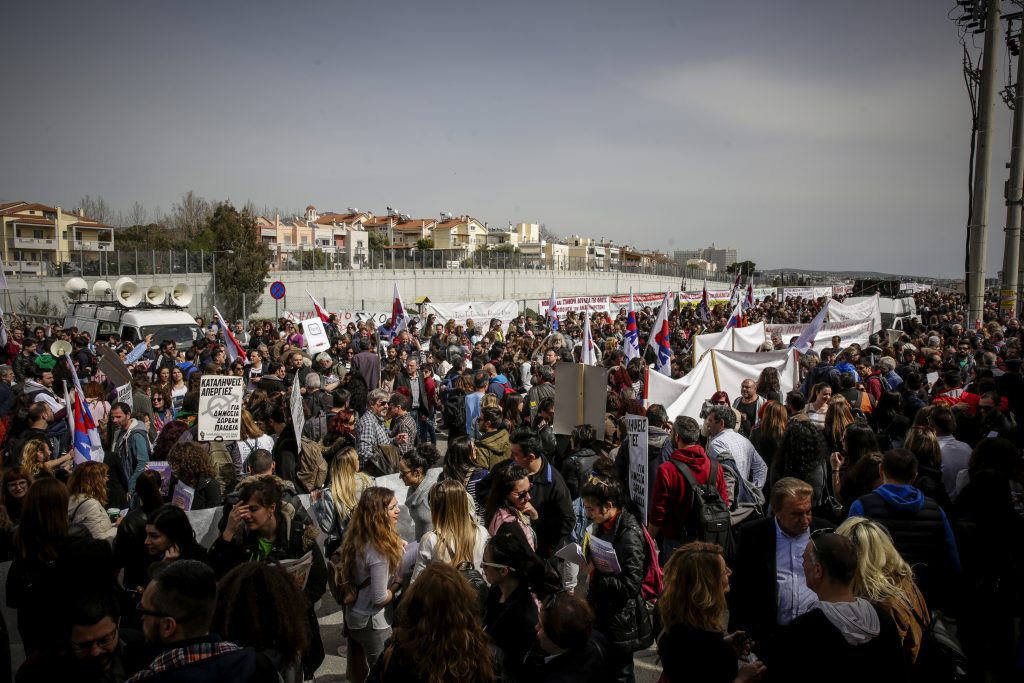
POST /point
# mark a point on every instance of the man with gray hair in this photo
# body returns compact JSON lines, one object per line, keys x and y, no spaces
{"x":890,"y":379}
{"x":724,"y":441}
{"x":370,"y":431}
{"x":670,"y":505}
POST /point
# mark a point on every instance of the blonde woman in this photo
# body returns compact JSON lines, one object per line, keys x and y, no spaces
{"x":333,"y":505}
{"x":87,"y":504}
{"x":456,"y":537}
{"x":371,"y":553}
{"x":884,"y":578}
{"x":693,"y":645}
{"x":35,"y":458}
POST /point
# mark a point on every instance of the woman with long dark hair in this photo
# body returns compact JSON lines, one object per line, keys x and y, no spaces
{"x":130,"y":552}
{"x":461,"y":465}
{"x":509,"y":501}
{"x":803,"y":455}
{"x":13,"y":490}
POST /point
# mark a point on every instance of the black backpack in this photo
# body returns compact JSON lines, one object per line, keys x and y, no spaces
{"x":709,"y":519}
{"x":454,"y":412}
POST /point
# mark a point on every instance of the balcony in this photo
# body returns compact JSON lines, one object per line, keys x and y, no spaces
{"x":89,"y":245}
{"x":26,"y":267}
{"x":268,"y":232}
{"x":32,"y":243}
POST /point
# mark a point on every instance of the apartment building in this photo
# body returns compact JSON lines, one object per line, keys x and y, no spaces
{"x":37,"y":238}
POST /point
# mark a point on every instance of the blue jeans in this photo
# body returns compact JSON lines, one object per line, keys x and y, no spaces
{"x":428,"y":430}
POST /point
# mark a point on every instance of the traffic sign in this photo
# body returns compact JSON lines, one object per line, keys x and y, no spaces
{"x":277,"y":290}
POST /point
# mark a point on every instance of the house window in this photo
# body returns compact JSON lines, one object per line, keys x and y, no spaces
{"x":37,"y":234}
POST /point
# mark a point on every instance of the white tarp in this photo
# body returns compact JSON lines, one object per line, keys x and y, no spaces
{"x":857,"y":309}
{"x":734,"y":339}
{"x":480,"y":312}
{"x":850,"y":331}
{"x":718,"y":370}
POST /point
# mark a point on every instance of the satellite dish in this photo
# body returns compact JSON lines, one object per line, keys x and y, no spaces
{"x":127,"y":292}
{"x":102,"y":288}
{"x":76,"y":287}
{"x":155,"y":295}
{"x":60,"y":348}
{"x":181,"y":295}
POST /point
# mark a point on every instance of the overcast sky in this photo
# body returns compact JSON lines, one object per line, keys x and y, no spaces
{"x":805,"y":134}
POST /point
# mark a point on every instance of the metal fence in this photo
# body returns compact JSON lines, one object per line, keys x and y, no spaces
{"x":114,"y":264}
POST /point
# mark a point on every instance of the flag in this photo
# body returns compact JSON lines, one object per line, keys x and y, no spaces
{"x":660,"y":336}
{"x":319,"y":311}
{"x":734,"y":293}
{"x":632,"y":339}
{"x":3,"y":330}
{"x":704,"y":308}
{"x":588,"y":355}
{"x":553,"y":310}
{"x":803,"y":342}
{"x":399,"y":319}
{"x":234,"y":349}
{"x":84,"y":434}
{"x":736,"y":319}
{"x":748,"y":300}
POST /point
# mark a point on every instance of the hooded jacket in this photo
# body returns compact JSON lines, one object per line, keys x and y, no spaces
{"x":669,"y":502}
{"x":920,"y":532}
{"x":494,"y":446}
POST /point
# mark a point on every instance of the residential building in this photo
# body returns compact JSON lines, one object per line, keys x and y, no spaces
{"x":37,"y":238}
{"x":721,"y":258}
{"x":460,"y":232}
{"x":544,"y":255}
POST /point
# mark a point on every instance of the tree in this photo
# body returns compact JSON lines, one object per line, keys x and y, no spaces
{"x":190,"y":215}
{"x":146,"y":237}
{"x":244,"y":271}
{"x":423,"y":244}
{"x":137,"y":215}
{"x":378,"y":241}
{"x":746,"y":267}
{"x":96,"y":209}
{"x":547,"y":235}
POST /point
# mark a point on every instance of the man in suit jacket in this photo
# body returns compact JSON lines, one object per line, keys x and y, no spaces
{"x":768,"y":586}
{"x":367,"y":364}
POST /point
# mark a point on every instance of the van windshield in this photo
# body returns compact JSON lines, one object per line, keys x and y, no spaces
{"x":179,"y":334}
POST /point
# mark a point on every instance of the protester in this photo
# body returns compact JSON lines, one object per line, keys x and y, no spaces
{"x":87,"y":504}
{"x":418,"y":472}
{"x":333,"y":505}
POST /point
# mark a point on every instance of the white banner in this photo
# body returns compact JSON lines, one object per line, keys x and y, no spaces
{"x":857,"y":309}
{"x":718,"y":370}
{"x":793,"y":292}
{"x":849,"y":331}
{"x":315,"y":335}
{"x":346,"y":316}
{"x":715,"y":296}
{"x":823,"y":292}
{"x":639,"y":477}
{"x":580,"y":304}
{"x":480,"y":312}
{"x":617,"y":302}
{"x":735,"y":339}
{"x":220,"y":407}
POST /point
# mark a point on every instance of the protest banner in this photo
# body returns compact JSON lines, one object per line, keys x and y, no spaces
{"x":616,"y":302}
{"x":124,"y":393}
{"x":220,"y":407}
{"x":378,"y":318}
{"x":183,"y":496}
{"x":715,"y":296}
{"x":794,"y":292}
{"x":747,"y":338}
{"x":579,"y":304}
{"x":580,"y":397}
{"x":857,"y":309}
{"x":639,"y":477}
{"x":298,"y":416}
{"x":315,"y":335}
{"x":113,"y":367}
{"x":480,"y":312}
{"x":849,"y":331}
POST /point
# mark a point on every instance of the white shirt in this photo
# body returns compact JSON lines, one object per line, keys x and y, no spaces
{"x":794,"y":597}
{"x":749,"y":463}
{"x":247,"y":446}
{"x":955,"y":455}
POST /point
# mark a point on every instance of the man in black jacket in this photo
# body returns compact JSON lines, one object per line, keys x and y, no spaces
{"x":272,"y":381}
{"x":549,"y":493}
{"x":768,"y":586}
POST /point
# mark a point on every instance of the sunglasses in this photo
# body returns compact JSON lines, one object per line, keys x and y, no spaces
{"x":521,"y":495}
{"x":817,"y":533}
{"x":495,"y":565}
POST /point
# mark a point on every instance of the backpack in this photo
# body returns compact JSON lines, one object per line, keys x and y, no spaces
{"x":748,"y":500}
{"x":311,"y":470}
{"x":454,"y":412}
{"x":709,"y":519}
{"x":653,"y":582}
{"x":340,"y":586}
{"x":506,"y":390}
{"x":224,"y":464}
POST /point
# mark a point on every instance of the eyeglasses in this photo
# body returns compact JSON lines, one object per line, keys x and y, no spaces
{"x":817,"y":533}
{"x":19,"y":484}
{"x":521,"y":495}
{"x":101,"y":642}
{"x":150,"y":613}
{"x":495,"y":565}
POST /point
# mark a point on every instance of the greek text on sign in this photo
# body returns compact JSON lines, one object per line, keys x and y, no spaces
{"x":639,"y":477}
{"x":220,"y":408}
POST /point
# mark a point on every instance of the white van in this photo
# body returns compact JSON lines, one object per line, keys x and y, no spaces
{"x":133,"y":324}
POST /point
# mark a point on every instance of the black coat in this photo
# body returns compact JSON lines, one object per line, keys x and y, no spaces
{"x":693,"y":654}
{"x":553,"y":504}
{"x":616,"y":597}
{"x":753,"y":598}
{"x":286,"y":456}
{"x":511,"y":625}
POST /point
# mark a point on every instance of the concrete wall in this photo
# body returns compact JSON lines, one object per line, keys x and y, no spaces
{"x":373,"y":289}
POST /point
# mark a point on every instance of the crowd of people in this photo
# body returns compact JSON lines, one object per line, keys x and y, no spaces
{"x":835,"y":530}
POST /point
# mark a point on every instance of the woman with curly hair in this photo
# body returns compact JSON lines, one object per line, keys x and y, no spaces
{"x":87,"y":504}
{"x":803,"y":455}
{"x":693,"y":645}
{"x":370,"y":556}
{"x":333,"y":504}
{"x":441,"y":601}
{"x":884,"y":578}
{"x":35,"y":459}
{"x":190,"y":465}
{"x":837,"y":418}
{"x":259,"y":606}
{"x":262,"y":527}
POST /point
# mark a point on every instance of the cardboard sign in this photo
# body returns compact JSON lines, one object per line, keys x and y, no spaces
{"x":124,"y":393}
{"x":220,"y":407}
{"x":183,"y":496}
{"x":580,"y":397}
{"x":113,"y":367}
{"x":298,"y":417}
{"x":315,"y":335}
{"x":639,"y":477}
{"x":164,"y":468}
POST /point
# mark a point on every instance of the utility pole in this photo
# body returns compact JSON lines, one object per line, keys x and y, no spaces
{"x":978,"y":224}
{"x":1014,"y":191}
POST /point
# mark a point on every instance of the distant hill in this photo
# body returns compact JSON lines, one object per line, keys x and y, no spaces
{"x":848,"y":274}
